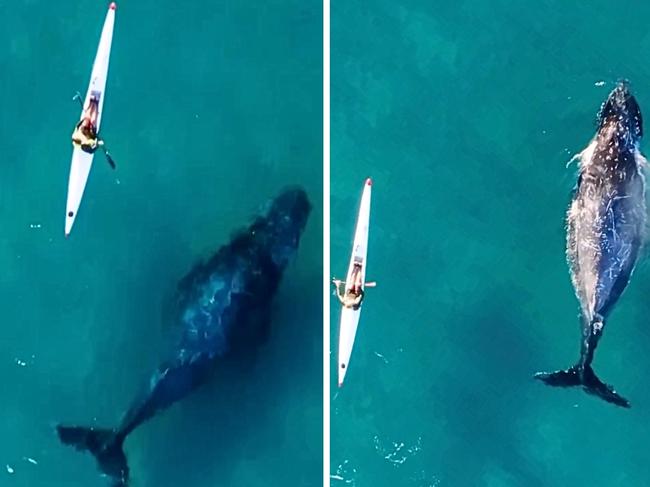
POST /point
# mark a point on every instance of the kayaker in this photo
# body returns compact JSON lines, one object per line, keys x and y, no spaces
{"x":357,"y":282}
{"x":85,"y":137}
{"x":350,"y":299}
{"x":85,"y":133}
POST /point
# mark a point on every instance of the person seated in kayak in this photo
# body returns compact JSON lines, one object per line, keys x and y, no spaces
{"x":357,"y":282}
{"x":354,"y":296}
{"x":84,"y":136}
{"x":85,"y":133}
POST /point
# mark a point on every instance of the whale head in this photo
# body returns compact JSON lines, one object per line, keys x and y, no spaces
{"x":621,"y":112}
{"x":283,"y":223}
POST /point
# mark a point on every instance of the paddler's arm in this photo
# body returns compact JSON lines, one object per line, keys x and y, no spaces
{"x":338,"y":284}
{"x":79,"y":139}
{"x":76,"y":133}
{"x":340,"y":290}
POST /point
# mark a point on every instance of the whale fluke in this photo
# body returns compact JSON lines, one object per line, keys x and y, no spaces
{"x":104,"y":444}
{"x":583,"y":376}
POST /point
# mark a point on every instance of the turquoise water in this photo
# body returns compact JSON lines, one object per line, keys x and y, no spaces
{"x":211,"y":109}
{"x":465,"y":114}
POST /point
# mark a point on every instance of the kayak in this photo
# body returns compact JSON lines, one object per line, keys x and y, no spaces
{"x":82,"y":161}
{"x":350,"y":317}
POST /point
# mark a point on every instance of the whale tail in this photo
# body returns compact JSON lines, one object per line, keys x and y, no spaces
{"x":105,"y":445}
{"x":583,"y":375}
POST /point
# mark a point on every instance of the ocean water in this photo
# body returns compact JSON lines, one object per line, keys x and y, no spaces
{"x":211,"y":109}
{"x":465,"y":114}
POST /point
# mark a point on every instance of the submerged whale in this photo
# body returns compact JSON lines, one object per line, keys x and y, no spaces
{"x":224,"y":308}
{"x":605,"y":226}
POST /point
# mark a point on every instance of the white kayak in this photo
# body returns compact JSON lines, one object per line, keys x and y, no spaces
{"x":82,"y":161}
{"x":349,"y":316}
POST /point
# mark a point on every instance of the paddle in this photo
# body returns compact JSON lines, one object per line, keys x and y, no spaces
{"x":109,"y":159}
{"x":367,"y":284}
{"x":100,"y":142}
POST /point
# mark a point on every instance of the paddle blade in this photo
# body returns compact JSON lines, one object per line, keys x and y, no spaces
{"x":371,"y":284}
{"x":77,"y":97}
{"x":110,"y":160}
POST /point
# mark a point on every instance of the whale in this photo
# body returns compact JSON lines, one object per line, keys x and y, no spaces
{"x":605,"y":231}
{"x":223,"y":309}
